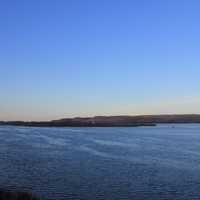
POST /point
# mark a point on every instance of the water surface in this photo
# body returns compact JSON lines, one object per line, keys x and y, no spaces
{"x":152,"y":163}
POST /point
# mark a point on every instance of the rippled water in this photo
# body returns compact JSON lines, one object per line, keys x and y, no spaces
{"x":151,"y":163}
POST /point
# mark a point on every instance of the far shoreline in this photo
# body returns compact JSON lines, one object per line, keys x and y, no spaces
{"x":110,"y":121}
{"x":89,"y":126}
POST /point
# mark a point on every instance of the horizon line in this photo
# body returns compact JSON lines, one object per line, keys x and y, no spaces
{"x":94,"y":116}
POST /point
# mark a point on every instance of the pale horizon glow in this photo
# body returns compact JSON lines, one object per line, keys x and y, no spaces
{"x":85,"y":58}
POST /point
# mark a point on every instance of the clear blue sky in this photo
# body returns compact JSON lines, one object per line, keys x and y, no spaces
{"x":94,"y":57}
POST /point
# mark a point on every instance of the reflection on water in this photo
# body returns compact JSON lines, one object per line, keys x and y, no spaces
{"x":102,"y":163}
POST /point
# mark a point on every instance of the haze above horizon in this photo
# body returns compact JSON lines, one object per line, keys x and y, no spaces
{"x":71,"y":58}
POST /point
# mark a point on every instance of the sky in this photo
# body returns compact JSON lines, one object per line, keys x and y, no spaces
{"x":71,"y":58}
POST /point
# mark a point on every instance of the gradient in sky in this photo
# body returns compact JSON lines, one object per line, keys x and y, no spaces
{"x":98,"y":57}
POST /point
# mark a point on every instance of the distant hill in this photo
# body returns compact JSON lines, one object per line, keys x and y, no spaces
{"x":111,"y":121}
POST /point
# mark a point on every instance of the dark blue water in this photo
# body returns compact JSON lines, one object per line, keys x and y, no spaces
{"x":151,"y":163}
